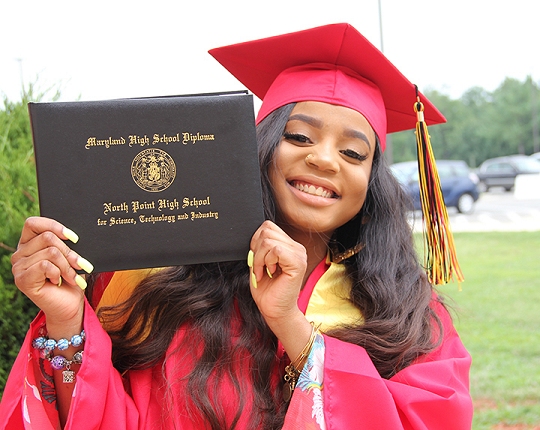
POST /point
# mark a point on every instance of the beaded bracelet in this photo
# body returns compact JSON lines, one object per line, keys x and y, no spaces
{"x":59,"y":362}
{"x":47,"y":345}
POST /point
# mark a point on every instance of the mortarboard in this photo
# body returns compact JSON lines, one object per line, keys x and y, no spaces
{"x":337,"y":65}
{"x":333,"y":64}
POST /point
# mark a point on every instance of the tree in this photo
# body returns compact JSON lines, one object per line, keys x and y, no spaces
{"x":481,"y":125}
{"x":513,"y":117}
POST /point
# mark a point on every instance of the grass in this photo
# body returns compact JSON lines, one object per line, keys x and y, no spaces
{"x":498,"y":318}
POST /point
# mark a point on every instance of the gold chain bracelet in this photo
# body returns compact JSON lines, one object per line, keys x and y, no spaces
{"x":293,"y":370}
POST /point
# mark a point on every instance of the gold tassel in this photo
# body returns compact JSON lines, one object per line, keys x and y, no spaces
{"x":440,"y":260}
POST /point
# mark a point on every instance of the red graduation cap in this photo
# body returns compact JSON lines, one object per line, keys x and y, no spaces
{"x":333,"y":64}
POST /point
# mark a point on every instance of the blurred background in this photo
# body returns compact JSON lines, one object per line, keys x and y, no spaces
{"x":476,"y":60}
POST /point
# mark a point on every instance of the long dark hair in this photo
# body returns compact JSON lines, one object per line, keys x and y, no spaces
{"x":389,"y":285}
{"x":214,"y":302}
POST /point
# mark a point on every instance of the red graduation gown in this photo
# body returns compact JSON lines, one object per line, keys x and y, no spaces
{"x":432,"y":393}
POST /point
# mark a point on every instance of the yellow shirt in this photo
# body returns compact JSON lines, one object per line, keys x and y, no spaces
{"x":329,"y":304}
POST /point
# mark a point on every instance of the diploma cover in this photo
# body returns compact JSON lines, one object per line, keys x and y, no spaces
{"x":151,"y":182}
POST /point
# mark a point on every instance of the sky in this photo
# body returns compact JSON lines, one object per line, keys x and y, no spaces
{"x":113,"y":49}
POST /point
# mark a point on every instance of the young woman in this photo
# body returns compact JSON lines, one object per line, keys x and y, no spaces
{"x":331,"y":322}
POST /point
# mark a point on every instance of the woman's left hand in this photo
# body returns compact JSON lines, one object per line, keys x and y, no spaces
{"x":278,"y":268}
{"x":277,"y":273}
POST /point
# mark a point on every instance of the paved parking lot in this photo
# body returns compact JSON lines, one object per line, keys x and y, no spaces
{"x":494,"y":211}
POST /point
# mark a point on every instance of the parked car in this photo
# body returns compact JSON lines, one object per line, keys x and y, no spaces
{"x":458,"y":183}
{"x":502,"y":171}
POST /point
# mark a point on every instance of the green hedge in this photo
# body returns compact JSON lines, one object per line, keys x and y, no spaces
{"x":18,"y":200}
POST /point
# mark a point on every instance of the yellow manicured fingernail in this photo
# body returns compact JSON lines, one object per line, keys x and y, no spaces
{"x":71,"y":235}
{"x":268,"y":272}
{"x":79,"y":280}
{"x":85,"y":265}
{"x":250,"y":258}
{"x":253,"y":280}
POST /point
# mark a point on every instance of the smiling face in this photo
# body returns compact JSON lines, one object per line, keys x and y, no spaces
{"x":322,"y":168}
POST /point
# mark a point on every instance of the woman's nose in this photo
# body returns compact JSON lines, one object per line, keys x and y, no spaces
{"x":323,"y":157}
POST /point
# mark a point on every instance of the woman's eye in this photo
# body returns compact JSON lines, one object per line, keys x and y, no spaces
{"x":296,"y":137}
{"x":353,"y":154}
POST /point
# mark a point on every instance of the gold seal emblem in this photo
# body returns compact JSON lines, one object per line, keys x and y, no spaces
{"x":153,"y":170}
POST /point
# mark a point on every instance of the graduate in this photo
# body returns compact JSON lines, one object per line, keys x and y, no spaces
{"x":330,"y":323}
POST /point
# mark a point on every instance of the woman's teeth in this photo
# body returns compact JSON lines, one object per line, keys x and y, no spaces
{"x":313,"y":190}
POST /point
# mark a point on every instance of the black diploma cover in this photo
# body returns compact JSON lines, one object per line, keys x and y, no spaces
{"x":151,"y":182}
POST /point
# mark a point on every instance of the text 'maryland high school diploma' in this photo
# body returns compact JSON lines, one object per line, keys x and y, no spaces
{"x":151,"y":182}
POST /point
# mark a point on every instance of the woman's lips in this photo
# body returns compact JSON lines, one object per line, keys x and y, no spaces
{"x":314,"y":190}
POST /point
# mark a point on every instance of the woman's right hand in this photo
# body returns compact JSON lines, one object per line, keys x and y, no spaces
{"x":44,"y":270}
